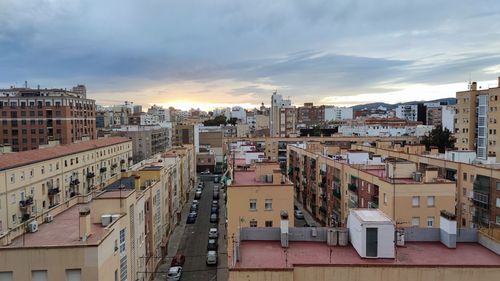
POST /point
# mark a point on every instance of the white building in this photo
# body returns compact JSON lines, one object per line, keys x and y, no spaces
{"x":448,"y":118}
{"x":333,"y":113}
{"x":275,"y":121}
{"x":148,"y":119}
{"x":407,"y":112}
{"x":239,"y":113}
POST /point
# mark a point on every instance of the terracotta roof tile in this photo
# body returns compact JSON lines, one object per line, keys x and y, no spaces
{"x":16,"y":159}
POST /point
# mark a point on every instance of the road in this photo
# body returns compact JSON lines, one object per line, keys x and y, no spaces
{"x":194,"y":241}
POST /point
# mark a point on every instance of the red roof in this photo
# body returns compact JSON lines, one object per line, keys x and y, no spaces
{"x":17,"y":159}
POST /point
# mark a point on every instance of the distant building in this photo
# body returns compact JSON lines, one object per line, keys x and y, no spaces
{"x":34,"y":117}
{"x":310,"y":115}
{"x":412,"y":112}
{"x":147,"y":140}
{"x":448,"y":117}
{"x":283,"y":117}
{"x":333,"y":113}
{"x":478,"y":121}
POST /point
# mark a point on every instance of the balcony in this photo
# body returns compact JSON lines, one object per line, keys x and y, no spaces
{"x":336,"y":193}
{"x":114,"y":166}
{"x":90,"y":175}
{"x":103,"y":169}
{"x":122,"y":161}
{"x":352,"y":187}
{"x":74,"y":182}
{"x":23,"y":204}
{"x":54,"y":191}
{"x":322,"y":210}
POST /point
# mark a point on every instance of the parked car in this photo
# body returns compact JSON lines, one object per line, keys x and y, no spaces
{"x":298,"y":214}
{"x":195,"y":202}
{"x":194,"y":208}
{"x":174,"y":273}
{"x":216,"y":188}
{"x":212,"y":258}
{"x":215,"y":203}
{"x":197,"y":195}
{"x":206,"y":172}
{"x":295,"y":207}
{"x":191,"y":218}
{"x":214,"y":218}
{"x":213,"y":233}
{"x":178,"y":260}
{"x":214,"y":210}
{"x":200,"y":185}
{"x":212,"y":245}
{"x":216,"y":195}
{"x":216,"y":179}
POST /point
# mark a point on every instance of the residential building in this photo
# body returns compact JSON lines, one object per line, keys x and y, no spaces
{"x":283,"y":117}
{"x":372,"y":249}
{"x":478,"y":121}
{"x":448,"y":117}
{"x":43,"y":179}
{"x":412,"y":112}
{"x":256,"y":197}
{"x":330,"y":185}
{"x":147,"y":140}
{"x":34,"y":117}
{"x":383,"y":127}
{"x":186,"y":134}
{"x":310,"y":115}
{"x":333,"y":113}
{"x":434,"y":116}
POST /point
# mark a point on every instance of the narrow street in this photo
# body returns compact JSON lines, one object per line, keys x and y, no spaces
{"x":192,"y":239}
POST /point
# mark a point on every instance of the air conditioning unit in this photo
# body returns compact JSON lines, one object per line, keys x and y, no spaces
{"x":49,"y":218}
{"x":33,"y":226}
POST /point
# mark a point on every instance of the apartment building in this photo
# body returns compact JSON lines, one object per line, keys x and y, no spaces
{"x":333,"y":113}
{"x":186,"y":134}
{"x":412,"y":112}
{"x":330,"y":185}
{"x":33,"y":117}
{"x":309,"y":115}
{"x":283,"y":117}
{"x":478,"y":120}
{"x":477,"y":185}
{"x":146,"y":140}
{"x":256,"y":196}
{"x":41,"y":179}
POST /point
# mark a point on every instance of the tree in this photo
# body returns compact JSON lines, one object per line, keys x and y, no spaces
{"x":217,"y":121}
{"x":439,"y":138}
{"x":232,"y":121}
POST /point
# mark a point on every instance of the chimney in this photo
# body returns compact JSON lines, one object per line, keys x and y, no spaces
{"x":448,"y":229}
{"x":284,"y":228}
{"x":431,"y":175}
{"x":473,"y":86}
{"x":84,"y":223}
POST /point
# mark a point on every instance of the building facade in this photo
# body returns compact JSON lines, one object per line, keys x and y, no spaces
{"x":33,"y":117}
{"x":147,"y":140}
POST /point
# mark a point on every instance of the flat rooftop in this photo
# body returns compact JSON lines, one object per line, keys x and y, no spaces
{"x":270,"y":254}
{"x":124,"y":183}
{"x":248,"y":178}
{"x":116,"y":194}
{"x":62,"y":231}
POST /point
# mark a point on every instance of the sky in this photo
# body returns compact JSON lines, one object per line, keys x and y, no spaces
{"x":227,"y":52}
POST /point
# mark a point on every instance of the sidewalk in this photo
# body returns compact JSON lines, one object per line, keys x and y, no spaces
{"x":310,"y":220}
{"x":222,"y":270}
{"x":174,"y":242}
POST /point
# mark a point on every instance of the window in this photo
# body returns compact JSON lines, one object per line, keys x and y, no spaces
{"x":415,"y":202}
{"x":268,"y":204}
{"x":269,"y":223}
{"x":14,"y":218}
{"x":430,"y":201}
{"x":73,"y":274}
{"x":12,"y":198}
{"x":253,"y":223}
{"x":498,"y":185}
{"x":6,"y":276}
{"x":415,"y":221}
{"x":430,"y":221}
{"x":39,"y":275}
{"x":385,"y":198}
{"x":465,"y":176}
{"x":464,"y":191}
{"x":498,"y":202}
{"x":253,"y":204}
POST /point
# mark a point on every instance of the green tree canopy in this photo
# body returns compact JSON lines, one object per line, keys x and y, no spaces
{"x":439,"y":138}
{"x":217,"y":121}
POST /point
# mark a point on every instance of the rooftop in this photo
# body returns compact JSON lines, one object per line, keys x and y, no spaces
{"x":62,"y":231}
{"x":270,"y":254}
{"x":13,"y":160}
{"x":248,"y":178}
{"x":124,"y":183}
{"x":115,"y":194}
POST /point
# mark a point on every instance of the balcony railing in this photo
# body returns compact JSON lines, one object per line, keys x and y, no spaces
{"x":74,"y":182}
{"x":352,"y":187}
{"x":26,"y":202}
{"x":90,"y":175}
{"x":122,"y":161}
{"x":54,"y":191}
{"x":103,"y":169}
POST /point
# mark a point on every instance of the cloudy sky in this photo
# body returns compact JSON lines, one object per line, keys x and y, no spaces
{"x":214,"y":53}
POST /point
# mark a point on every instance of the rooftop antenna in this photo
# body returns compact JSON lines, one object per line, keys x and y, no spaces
{"x":26,"y":84}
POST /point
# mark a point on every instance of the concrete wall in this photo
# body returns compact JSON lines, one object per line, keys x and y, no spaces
{"x":356,"y":273}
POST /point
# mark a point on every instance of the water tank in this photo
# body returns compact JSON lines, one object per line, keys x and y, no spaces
{"x":105,"y":220}
{"x":342,"y":236}
{"x":331,"y":237}
{"x":418,"y":176}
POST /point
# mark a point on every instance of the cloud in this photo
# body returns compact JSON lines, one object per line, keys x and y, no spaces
{"x":239,"y":51}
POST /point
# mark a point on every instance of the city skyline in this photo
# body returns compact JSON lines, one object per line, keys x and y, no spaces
{"x":232,"y":53}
